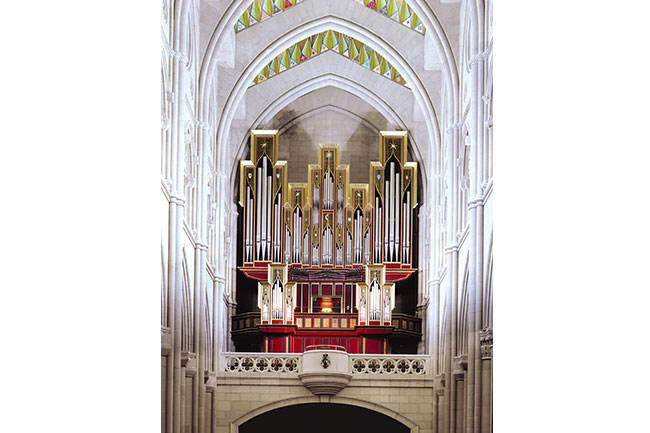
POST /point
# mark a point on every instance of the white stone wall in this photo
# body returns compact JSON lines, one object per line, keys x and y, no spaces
{"x":358,"y":144}
{"x":412,"y":399}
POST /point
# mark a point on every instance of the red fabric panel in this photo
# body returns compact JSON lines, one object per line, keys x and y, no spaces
{"x":298,"y":298}
{"x":305,"y":298}
{"x":348,"y":298}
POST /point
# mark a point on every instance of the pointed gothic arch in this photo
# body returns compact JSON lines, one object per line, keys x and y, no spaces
{"x":409,"y":424}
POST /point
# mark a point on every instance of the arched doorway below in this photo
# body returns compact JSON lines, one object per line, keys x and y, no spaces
{"x":322,"y":418}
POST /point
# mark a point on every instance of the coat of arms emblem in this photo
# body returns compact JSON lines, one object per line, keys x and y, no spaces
{"x":325,"y":360}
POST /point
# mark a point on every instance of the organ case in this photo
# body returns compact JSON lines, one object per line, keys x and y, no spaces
{"x":328,"y":229}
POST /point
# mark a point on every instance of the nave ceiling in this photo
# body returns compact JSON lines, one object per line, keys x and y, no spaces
{"x":235,"y":60}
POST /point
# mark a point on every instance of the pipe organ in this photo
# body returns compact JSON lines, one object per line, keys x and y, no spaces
{"x":327,"y":253}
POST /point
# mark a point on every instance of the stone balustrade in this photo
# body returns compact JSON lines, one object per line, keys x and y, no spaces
{"x":262,"y":362}
{"x":388,"y":364}
{"x":358,"y":364}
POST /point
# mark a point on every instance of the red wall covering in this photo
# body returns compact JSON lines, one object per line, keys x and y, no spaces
{"x":352,"y":344}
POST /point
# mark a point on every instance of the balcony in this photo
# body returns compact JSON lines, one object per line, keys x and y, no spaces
{"x":327,"y":328}
{"x":358,"y":365}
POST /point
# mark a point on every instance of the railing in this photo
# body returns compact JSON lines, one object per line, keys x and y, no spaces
{"x":360,"y":364}
{"x":325,"y":347}
{"x":245,"y":322}
{"x":388,"y":364}
{"x":262,"y":362}
{"x":406,"y":325}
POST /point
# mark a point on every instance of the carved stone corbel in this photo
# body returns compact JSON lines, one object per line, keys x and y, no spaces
{"x":486,"y":343}
{"x":460,"y":364}
{"x":439,"y":384}
{"x":210,"y":380}
{"x":166,"y":340}
{"x":188,"y":360}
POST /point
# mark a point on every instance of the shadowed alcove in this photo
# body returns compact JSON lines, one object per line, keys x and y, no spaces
{"x":322,"y":418}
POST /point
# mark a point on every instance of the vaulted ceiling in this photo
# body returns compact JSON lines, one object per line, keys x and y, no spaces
{"x":329,"y":71}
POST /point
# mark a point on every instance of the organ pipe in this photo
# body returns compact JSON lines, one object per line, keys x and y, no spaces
{"x":264,"y":206}
{"x":247,"y":243}
{"x":340,"y":224}
{"x":287,"y":245}
{"x":367,"y":247}
{"x":391,"y":205}
{"x":305,"y":249}
{"x":269,"y":213}
{"x":377,"y":230}
{"x":386,"y":218}
{"x":258,"y":220}
{"x":396,"y":220}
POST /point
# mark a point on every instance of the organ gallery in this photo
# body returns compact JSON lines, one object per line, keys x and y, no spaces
{"x":327,"y":258}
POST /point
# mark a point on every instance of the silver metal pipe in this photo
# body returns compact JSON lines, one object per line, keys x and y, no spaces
{"x":324,"y":188}
{"x":293,"y":238}
{"x":264,"y":204}
{"x":367,"y":248}
{"x":246,"y":228}
{"x":328,"y":204}
{"x":407,"y":233}
{"x":331,"y":188}
{"x":269,"y":213}
{"x":356,"y":239}
{"x":398,"y":205}
{"x":359,"y":235}
{"x":384,"y":225}
{"x":391,"y":204}
{"x":326,"y":258}
{"x":258,"y":221}
{"x":278,"y":215}
{"x":404,"y":234}
{"x":305,"y":249}
{"x":287,"y":245}
{"x":376,"y":228}
{"x":276,"y":232}
{"x":327,"y":245}
{"x":250,"y":214}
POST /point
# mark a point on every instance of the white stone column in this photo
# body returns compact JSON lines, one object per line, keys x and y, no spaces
{"x":200,"y":271}
{"x":475,"y":217}
{"x":451,"y":251}
{"x":424,"y":270}
{"x":176,"y":212}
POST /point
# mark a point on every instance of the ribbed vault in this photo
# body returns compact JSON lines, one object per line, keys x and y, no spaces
{"x":420,"y":95}
{"x":397,"y":43}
